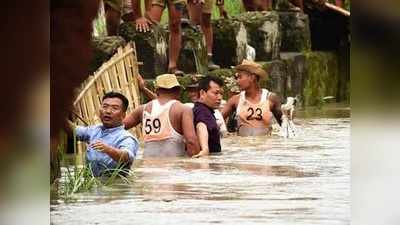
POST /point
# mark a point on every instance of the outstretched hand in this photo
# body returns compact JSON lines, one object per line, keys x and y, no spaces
{"x":99,"y":146}
{"x":143,"y":24}
{"x":141,"y":82}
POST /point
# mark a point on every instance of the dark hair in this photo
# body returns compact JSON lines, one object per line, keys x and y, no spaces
{"x":169,"y":90}
{"x":204,"y":83}
{"x":112,"y":94}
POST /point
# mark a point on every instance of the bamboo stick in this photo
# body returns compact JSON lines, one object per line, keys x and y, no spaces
{"x":89,"y":105}
{"x":337,"y":9}
{"x":85,"y":114}
{"x":107,"y":81}
{"x":96,"y":104}
{"x":123,"y":80}
{"x":80,"y":118}
{"x":113,"y":78}
{"x":80,"y":111}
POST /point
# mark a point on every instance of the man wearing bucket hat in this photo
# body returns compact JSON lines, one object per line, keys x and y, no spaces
{"x":254,"y":105}
{"x":168,"y":129}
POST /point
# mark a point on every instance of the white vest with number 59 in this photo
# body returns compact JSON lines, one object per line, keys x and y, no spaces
{"x":160,"y":138}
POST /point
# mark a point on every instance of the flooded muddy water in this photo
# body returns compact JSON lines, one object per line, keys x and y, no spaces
{"x":256,"y":180}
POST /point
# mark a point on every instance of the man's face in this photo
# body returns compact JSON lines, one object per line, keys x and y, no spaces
{"x":212,"y":98}
{"x":112,"y":112}
{"x":244,"y":79}
{"x":193,"y":94}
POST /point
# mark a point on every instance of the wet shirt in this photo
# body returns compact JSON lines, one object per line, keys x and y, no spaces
{"x":203,"y":113}
{"x":160,"y":137}
{"x":218,"y":116}
{"x":254,"y":118}
{"x":116,"y":137}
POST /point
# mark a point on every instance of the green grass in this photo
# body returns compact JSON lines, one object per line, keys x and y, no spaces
{"x":233,"y":7}
{"x":79,"y":178}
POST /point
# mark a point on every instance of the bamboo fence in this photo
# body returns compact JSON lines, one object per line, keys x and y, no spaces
{"x":117,"y":74}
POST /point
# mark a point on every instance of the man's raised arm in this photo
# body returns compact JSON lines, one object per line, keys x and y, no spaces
{"x":275,"y":107}
{"x":229,"y":106}
{"x":134,"y":118}
{"x":142,"y":87}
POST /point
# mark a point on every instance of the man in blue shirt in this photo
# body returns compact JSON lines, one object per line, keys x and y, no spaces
{"x":110,"y":146}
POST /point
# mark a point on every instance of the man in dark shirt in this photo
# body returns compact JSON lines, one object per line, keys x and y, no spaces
{"x":207,"y":129}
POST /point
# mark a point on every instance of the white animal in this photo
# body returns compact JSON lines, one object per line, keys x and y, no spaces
{"x":288,"y":129}
{"x":250,"y":53}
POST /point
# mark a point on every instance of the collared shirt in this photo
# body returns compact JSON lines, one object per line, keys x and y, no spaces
{"x":218,"y":116}
{"x":116,"y":137}
{"x":203,"y":113}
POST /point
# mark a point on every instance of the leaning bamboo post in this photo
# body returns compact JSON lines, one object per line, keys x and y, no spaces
{"x":124,"y":82}
{"x":96,"y":104}
{"x":135,"y":72}
{"x":337,"y":9}
{"x":133,"y":66}
{"x":85,"y":113}
{"x":106,"y":81}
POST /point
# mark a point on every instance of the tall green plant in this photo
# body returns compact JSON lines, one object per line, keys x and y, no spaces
{"x":77,"y":179}
{"x":232,"y":7}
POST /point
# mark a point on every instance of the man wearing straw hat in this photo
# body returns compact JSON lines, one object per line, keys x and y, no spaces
{"x":168,"y":129}
{"x":254,"y":106}
{"x":110,"y":145}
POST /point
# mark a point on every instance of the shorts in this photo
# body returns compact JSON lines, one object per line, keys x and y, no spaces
{"x":114,"y":4}
{"x":164,"y":3}
{"x":208,"y":6}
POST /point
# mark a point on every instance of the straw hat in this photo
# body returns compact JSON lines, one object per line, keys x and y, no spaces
{"x":252,"y":67}
{"x":166,"y":81}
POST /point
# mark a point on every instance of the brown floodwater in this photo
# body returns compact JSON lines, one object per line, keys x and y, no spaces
{"x":255,"y":180}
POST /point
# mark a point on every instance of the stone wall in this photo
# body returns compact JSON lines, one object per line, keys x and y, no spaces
{"x":309,"y":76}
{"x":263,"y":33}
{"x":103,"y":48}
{"x":295,"y":31}
{"x":230,"y":40}
{"x":322,"y":77}
{"x":283,"y":48}
{"x":151,"y":48}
